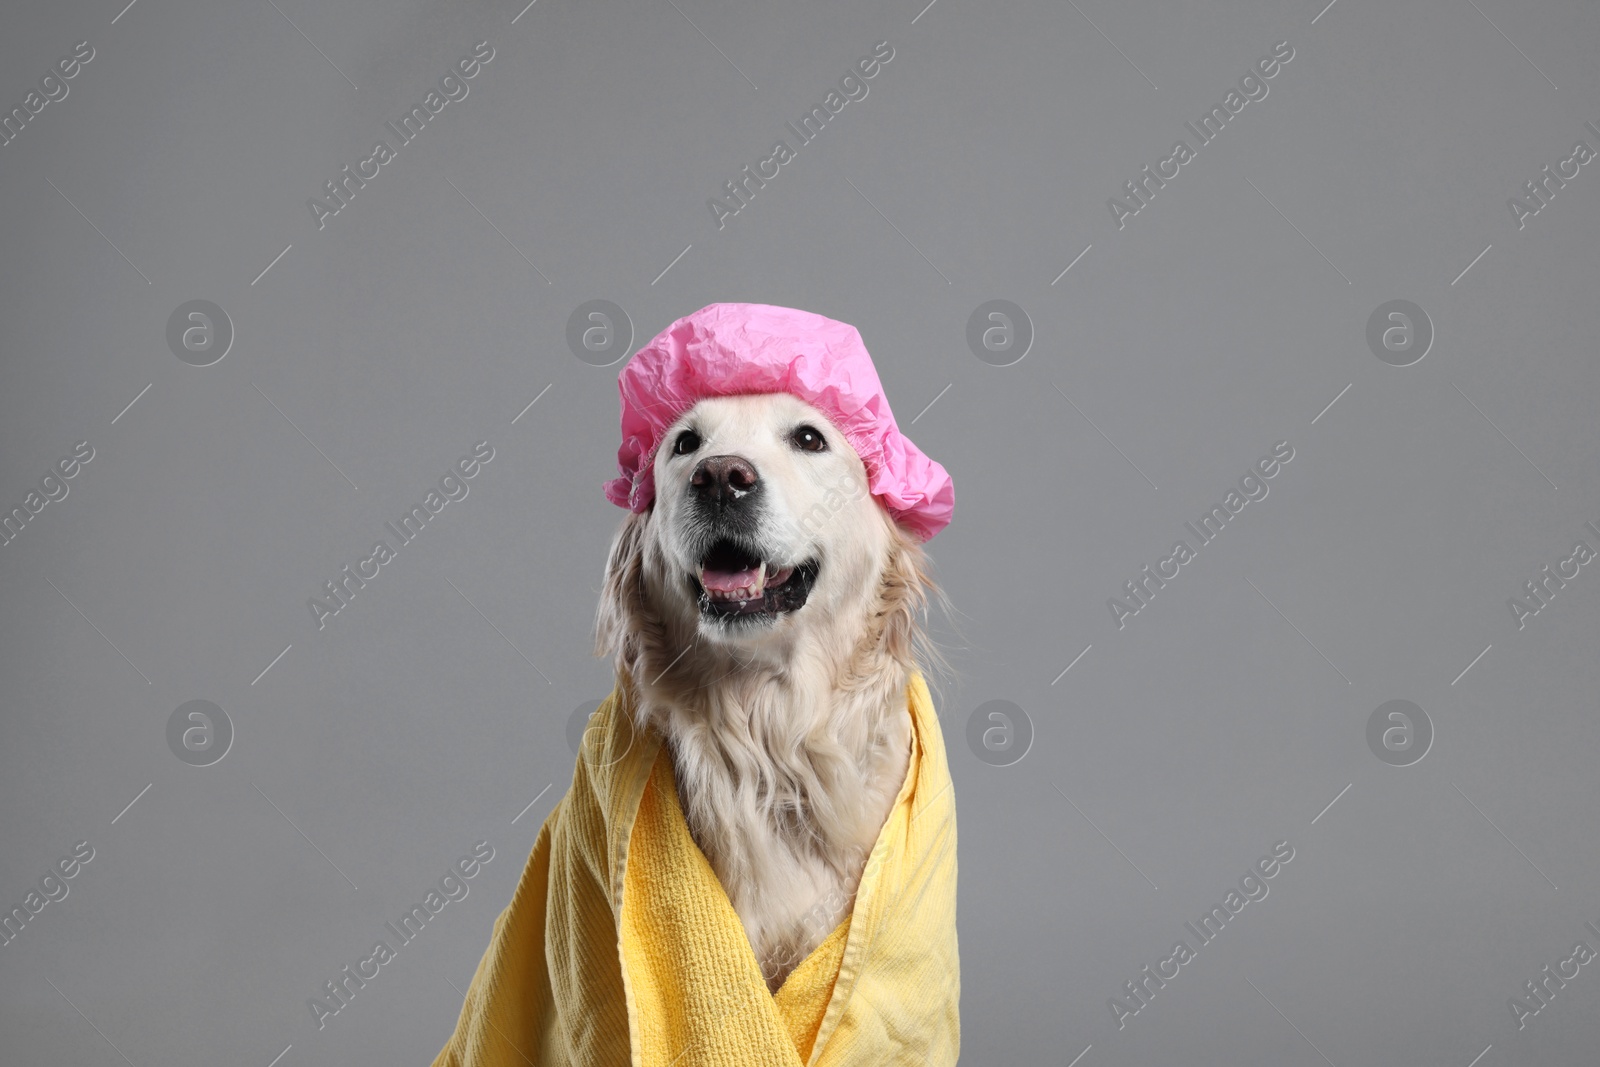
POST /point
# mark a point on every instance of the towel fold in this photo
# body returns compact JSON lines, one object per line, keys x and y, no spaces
{"x":620,"y":947}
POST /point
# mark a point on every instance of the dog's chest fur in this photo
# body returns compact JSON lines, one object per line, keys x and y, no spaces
{"x":785,"y":791}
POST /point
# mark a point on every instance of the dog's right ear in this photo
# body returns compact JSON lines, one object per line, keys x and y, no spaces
{"x":622,"y":593}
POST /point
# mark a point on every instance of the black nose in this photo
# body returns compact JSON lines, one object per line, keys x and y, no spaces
{"x":724,"y":480}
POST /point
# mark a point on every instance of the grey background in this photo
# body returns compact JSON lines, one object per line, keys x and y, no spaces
{"x":432,"y":712}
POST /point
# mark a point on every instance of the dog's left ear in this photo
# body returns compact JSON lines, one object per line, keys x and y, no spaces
{"x":904,"y":591}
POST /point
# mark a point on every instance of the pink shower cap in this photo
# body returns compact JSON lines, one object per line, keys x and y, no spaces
{"x":734,"y":349}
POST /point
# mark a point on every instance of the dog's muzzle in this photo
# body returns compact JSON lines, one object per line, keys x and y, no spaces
{"x":735,"y":579}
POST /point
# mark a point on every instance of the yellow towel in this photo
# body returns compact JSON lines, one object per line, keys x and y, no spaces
{"x":620,"y":947}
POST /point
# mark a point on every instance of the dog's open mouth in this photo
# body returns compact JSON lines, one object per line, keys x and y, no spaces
{"x":734,"y":582}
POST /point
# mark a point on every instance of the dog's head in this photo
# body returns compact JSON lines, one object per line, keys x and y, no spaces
{"x":762,"y":540}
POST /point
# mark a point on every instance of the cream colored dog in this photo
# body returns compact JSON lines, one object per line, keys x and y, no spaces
{"x":767,"y":609}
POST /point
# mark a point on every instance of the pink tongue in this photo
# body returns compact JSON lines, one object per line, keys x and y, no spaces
{"x":723,"y":581}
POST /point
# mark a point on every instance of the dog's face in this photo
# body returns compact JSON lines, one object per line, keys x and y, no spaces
{"x":762,"y":522}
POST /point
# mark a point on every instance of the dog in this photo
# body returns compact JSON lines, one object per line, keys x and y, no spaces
{"x":769,"y":612}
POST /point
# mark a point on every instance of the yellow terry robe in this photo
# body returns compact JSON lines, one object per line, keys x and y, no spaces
{"x":620,"y":946}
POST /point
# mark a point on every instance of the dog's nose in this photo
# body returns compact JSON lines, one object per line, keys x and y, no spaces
{"x":724,"y":479}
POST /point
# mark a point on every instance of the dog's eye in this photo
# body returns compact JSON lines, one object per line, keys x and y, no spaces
{"x":687,"y":442}
{"x":809,"y":439}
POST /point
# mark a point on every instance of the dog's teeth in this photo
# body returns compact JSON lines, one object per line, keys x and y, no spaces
{"x":753,"y":591}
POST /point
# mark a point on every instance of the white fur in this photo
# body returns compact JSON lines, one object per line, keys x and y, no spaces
{"x":790,"y":740}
